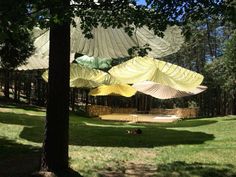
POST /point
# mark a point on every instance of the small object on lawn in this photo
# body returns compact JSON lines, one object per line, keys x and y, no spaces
{"x":135,"y":132}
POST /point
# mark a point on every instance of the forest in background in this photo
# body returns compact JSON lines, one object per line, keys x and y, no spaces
{"x":209,"y":49}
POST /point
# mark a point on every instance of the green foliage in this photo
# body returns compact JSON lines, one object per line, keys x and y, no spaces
{"x":154,"y":14}
{"x":222,"y":71}
{"x":15,"y":49}
{"x":205,"y":52}
{"x":139,"y":51}
{"x":15,"y":39}
{"x":230,"y":65}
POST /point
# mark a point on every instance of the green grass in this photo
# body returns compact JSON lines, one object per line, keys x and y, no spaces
{"x":197,"y":147}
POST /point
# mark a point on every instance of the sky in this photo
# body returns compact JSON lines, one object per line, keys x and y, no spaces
{"x":141,"y":1}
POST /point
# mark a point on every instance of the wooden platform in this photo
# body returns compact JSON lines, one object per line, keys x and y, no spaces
{"x":139,"y":117}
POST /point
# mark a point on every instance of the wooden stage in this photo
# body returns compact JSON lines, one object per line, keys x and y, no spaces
{"x":139,"y":117}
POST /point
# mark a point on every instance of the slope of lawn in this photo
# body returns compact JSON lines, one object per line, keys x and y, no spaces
{"x":197,"y":147}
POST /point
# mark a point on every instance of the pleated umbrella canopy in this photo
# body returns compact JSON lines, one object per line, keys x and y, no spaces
{"x":115,"y":89}
{"x":114,"y":42}
{"x":165,"y":92}
{"x":149,"y":69}
{"x":82,"y":76}
{"x":147,"y":87}
{"x":38,"y":61}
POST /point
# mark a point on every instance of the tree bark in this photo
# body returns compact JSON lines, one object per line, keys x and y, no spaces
{"x":16,"y":83}
{"x":6,"y":83}
{"x":55,"y":146}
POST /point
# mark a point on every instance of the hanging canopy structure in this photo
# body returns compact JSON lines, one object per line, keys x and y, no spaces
{"x":148,"y":69}
{"x":93,"y":62}
{"x":147,"y":87}
{"x":164,"y":92}
{"x":114,"y":42}
{"x":82,"y":76}
{"x":38,"y":61}
{"x":104,"y":84}
{"x":115,"y":89}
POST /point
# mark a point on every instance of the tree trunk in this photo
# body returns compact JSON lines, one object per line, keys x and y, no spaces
{"x":55,"y":146}
{"x":16,"y":80}
{"x":234,"y":106}
{"x":6,"y":83}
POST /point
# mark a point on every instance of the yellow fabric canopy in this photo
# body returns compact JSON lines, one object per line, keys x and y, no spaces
{"x":116,"y":89}
{"x":149,"y":69}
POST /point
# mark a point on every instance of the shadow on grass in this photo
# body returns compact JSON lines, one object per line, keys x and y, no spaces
{"x":17,"y":160}
{"x":112,"y":135}
{"x":175,"y":169}
{"x":184,"y":169}
{"x":27,"y":107}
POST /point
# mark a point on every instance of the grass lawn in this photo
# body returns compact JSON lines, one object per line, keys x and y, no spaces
{"x":197,"y":147}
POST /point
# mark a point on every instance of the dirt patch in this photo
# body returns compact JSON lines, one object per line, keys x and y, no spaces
{"x":131,"y":170}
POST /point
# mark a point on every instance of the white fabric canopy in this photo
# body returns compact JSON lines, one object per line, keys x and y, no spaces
{"x":164,"y":92}
{"x":114,"y":42}
{"x":38,"y":61}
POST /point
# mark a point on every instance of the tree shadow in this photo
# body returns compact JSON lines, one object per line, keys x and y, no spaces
{"x":83,"y":135}
{"x":200,"y":169}
{"x":112,"y":135}
{"x":21,"y":119}
{"x":174,"y":169}
{"x":18,"y":160}
{"x":63,"y":173}
{"x":26,"y":107}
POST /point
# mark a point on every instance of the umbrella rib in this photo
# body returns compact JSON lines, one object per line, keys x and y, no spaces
{"x":82,"y":42}
{"x":121,"y":41}
{"x":112,"y":52}
{"x":115,"y":45}
{"x":105,"y":48}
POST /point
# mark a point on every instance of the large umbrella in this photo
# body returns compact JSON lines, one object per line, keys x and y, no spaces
{"x":114,"y":89}
{"x":38,"y":61}
{"x":82,"y":76}
{"x":147,"y":87}
{"x":164,"y":92}
{"x":114,"y":42}
{"x":141,"y":69}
